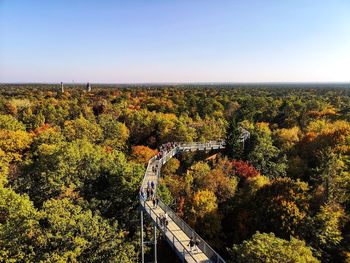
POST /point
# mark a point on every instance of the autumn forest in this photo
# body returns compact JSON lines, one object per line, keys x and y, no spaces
{"x":72,"y":161}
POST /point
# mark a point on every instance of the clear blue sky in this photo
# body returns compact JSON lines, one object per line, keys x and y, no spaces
{"x":174,"y":41}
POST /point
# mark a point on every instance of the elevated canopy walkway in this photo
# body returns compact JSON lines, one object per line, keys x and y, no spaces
{"x":177,"y":232}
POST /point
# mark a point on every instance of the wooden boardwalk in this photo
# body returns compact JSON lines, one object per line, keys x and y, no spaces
{"x":177,"y":233}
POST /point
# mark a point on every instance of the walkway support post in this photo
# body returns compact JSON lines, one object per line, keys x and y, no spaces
{"x":142,"y":249}
{"x":155,"y":243}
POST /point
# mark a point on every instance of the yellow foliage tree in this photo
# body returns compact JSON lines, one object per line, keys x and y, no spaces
{"x":204,"y":202}
{"x":286,"y":138}
{"x":14,"y":144}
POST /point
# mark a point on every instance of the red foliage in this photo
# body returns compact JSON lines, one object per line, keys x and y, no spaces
{"x":108,"y":149}
{"x":181,"y":206}
{"x":42,"y":128}
{"x":244,"y":169}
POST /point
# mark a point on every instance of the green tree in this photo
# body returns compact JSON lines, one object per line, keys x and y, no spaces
{"x":32,"y":120}
{"x":282,"y":206}
{"x":81,"y":128}
{"x":234,"y":147}
{"x":333,"y":177}
{"x":46,"y":135}
{"x":76,"y":235}
{"x":211,"y":129}
{"x":326,"y":229}
{"x":115,"y":133}
{"x":104,"y":178}
{"x":196,"y":175}
{"x":18,"y":227}
{"x":170,"y":167}
{"x":4,"y":167}
{"x":183,"y":132}
{"x":8,"y":122}
{"x":164,"y":194}
{"x":266,"y":248}
{"x":141,"y":124}
{"x":263,"y":155}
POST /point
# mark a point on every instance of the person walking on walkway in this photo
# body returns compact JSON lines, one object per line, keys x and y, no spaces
{"x":191,"y":244}
{"x":142,"y":194}
{"x":166,"y":222}
{"x":196,"y":243}
{"x":154,"y":202}
{"x":161,"y":221}
{"x":152,"y":185}
{"x":157,"y":202}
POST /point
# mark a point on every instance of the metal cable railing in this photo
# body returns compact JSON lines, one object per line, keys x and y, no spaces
{"x":147,"y":170}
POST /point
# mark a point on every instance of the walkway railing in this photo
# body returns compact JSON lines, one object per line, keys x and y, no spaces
{"x":174,"y":240}
{"x":203,"y":246}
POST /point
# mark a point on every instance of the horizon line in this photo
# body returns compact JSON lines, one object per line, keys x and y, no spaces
{"x":189,"y":83}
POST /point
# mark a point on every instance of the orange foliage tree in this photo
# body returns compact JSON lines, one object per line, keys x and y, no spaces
{"x":141,"y":153}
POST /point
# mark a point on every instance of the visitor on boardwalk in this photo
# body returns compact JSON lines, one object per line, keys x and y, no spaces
{"x":161,"y":220}
{"x":148,"y":184}
{"x":191,"y":244}
{"x":152,"y":185}
{"x":165,"y":148}
{"x":148,"y":194}
{"x":166,"y":216}
{"x":142,"y":194}
{"x":157,"y":202}
{"x":196,"y":244}
{"x":154,"y":202}
{"x":156,"y":169}
{"x":166,"y":222}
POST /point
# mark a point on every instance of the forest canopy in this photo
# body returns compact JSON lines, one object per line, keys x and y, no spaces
{"x":71,"y":164}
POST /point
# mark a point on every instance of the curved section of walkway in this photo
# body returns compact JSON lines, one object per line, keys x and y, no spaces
{"x":177,"y":233}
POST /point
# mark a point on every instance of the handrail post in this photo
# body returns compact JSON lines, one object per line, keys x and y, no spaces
{"x":155,"y":241}
{"x":142,"y":250}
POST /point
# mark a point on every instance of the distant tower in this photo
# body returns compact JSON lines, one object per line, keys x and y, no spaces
{"x":62,"y":88}
{"x":88,"y":87}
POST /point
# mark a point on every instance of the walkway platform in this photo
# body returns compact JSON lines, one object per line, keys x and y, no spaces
{"x":178,"y":233}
